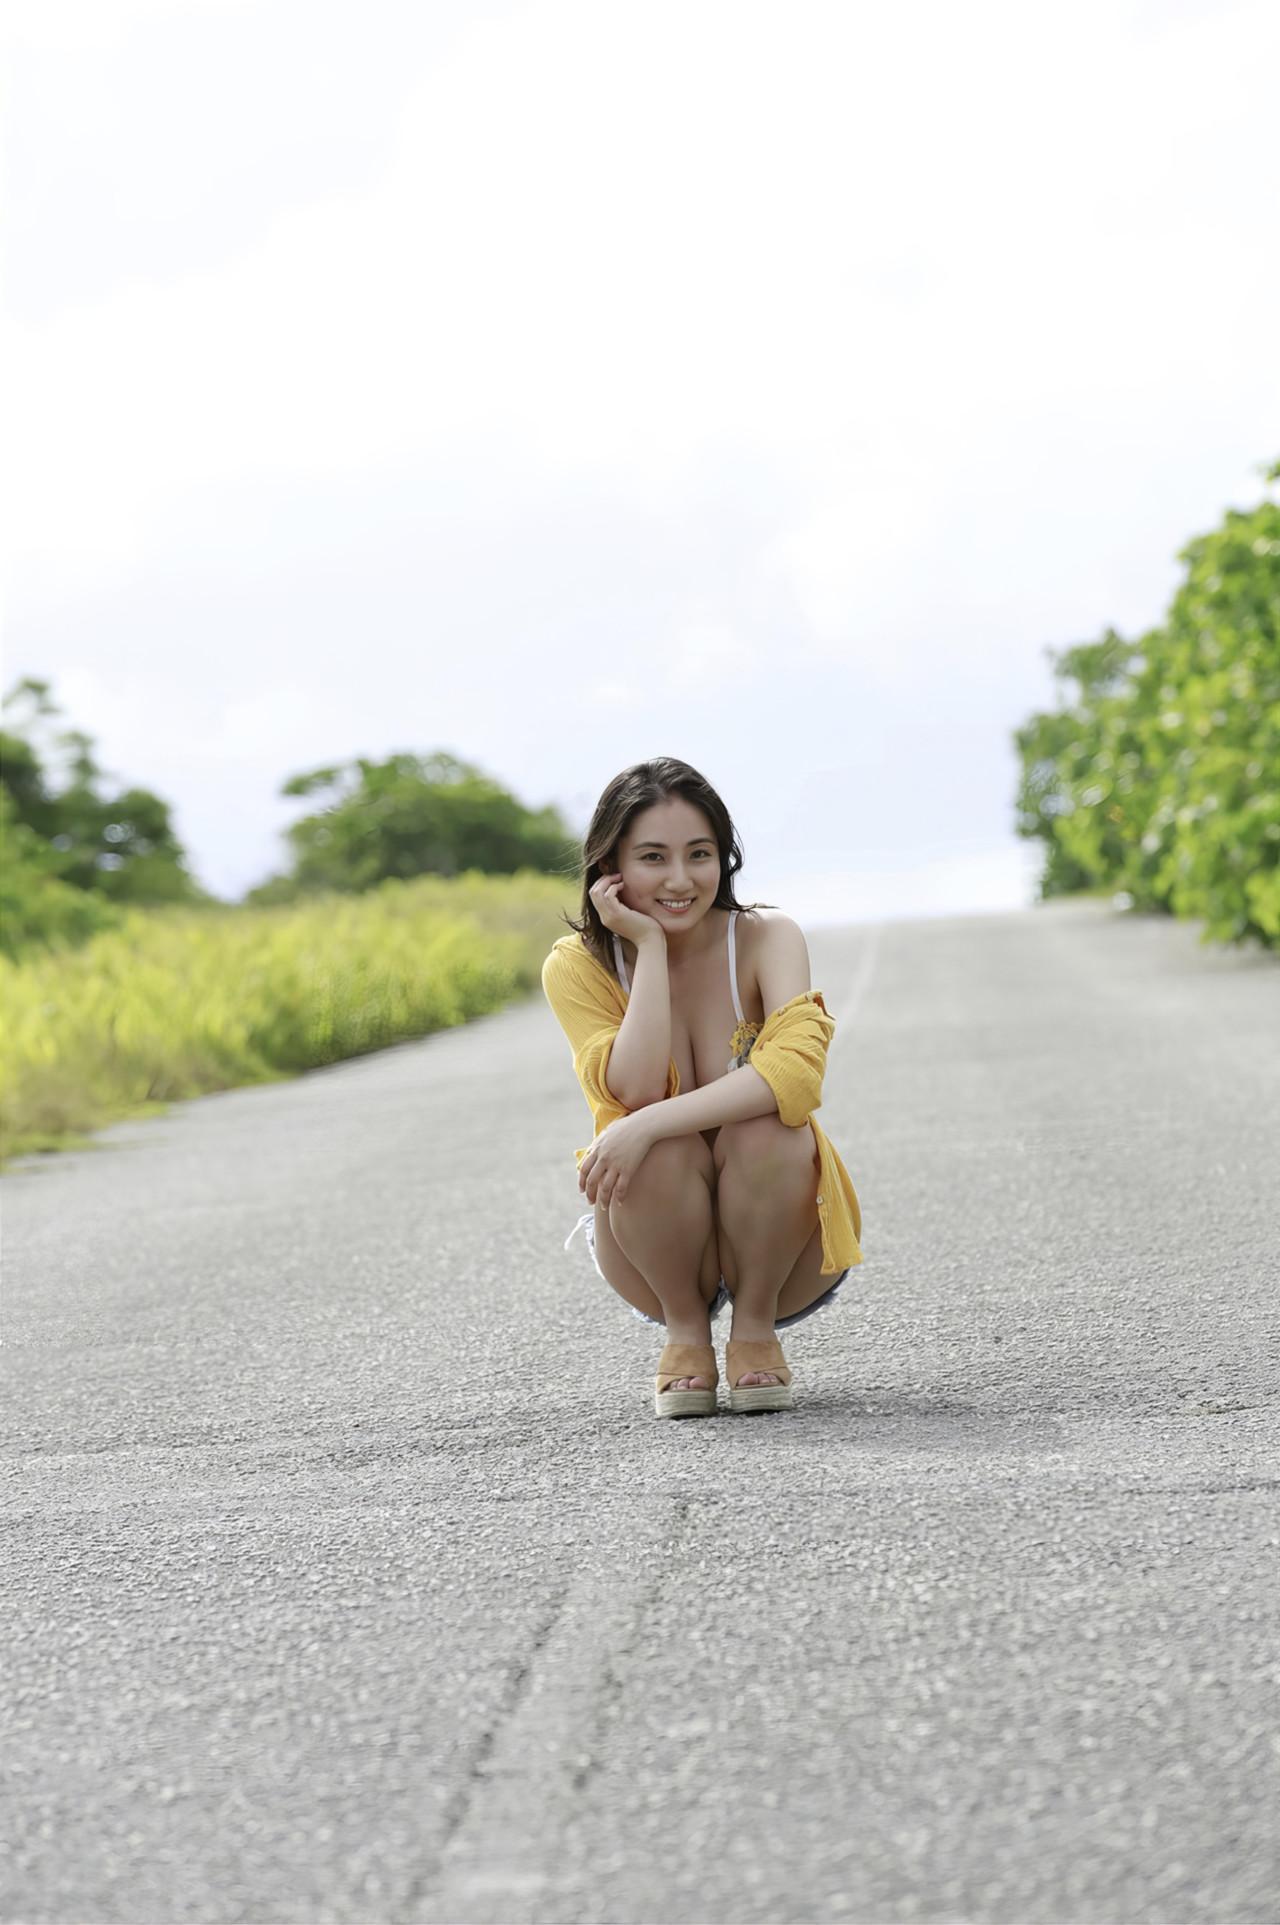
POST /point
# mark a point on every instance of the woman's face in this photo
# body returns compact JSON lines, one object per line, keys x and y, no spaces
{"x":669,"y":854}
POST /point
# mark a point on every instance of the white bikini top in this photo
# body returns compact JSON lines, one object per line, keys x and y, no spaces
{"x":745,"y":1033}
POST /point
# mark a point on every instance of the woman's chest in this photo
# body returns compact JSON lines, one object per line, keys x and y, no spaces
{"x":706,"y":1029}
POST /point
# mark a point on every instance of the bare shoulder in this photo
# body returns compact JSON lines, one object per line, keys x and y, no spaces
{"x":776,"y":955}
{"x":763,"y":913}
{"x":756,"y":923}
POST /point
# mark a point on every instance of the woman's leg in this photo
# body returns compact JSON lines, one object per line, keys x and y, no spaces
{"x":770,"y":1240}
{"x":658,"y":1247}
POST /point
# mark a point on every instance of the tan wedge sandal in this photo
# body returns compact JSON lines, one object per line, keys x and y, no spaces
{"x":765,"y":1353}
{"x":686,"y":1360}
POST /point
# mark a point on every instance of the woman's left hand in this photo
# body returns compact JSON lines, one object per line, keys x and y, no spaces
{"x":613,"y":1159}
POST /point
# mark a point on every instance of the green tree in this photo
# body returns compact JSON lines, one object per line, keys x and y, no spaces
{"x":411,"y":815}
{"x":115,"y":845}
{"x":1059,"y":751}
{"x":1162,"y":778}
{"x":37,"y":908}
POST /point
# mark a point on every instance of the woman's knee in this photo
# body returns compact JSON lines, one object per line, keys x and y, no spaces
{"x":764,"y":1146}
{"x":672,"y":1158}
{"x":668,"y":1162}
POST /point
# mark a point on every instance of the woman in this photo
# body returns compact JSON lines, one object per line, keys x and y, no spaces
{"x":700,"y":1048}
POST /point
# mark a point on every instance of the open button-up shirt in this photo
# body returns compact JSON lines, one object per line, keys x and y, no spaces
{"x":790,"y":1053}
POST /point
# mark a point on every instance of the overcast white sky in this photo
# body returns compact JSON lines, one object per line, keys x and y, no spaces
{"x":564,"y":383}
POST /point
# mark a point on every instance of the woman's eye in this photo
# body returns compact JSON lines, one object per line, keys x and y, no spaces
{"x":657,"y":858}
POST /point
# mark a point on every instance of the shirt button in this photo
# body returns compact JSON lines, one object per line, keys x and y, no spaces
{"x":819,"y":1196}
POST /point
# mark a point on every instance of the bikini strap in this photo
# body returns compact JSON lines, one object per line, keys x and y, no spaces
{"x":621,"y":961}
{"x":733,"y":968}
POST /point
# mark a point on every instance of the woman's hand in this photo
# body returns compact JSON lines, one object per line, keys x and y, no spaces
{"x":613,"y":1159}
{"x":606,"y":893}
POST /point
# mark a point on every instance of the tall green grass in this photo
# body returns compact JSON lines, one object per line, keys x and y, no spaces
{"x":178,"y":1002}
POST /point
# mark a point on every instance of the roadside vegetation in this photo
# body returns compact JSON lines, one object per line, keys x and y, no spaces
{"x":418,"y":893}
{"x":1157,"y":779}
{"x":421,"y":895}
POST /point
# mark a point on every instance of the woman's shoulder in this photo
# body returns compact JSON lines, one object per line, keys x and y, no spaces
{"x":570,"y":960}
{"x":569,"y":952}
{"x":562,"y":958}
{"x":573,"y":942}
{"x":753,"y":923}
{"x":759,"y":913}
{"x":755,"y":926}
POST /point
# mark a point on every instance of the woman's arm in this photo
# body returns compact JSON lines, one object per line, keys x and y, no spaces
{"x":782,"y":965}
{"x":730,"y":1099}
{"x":637,"y":1072}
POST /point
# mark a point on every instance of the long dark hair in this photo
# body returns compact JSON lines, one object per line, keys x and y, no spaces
{"x":637,"y":788}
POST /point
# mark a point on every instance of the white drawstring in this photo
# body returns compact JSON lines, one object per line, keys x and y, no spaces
{"x":586,"y":1217}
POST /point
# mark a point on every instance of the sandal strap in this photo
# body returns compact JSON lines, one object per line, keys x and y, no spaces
{"x":755,"y":1353}
{"x":687,"y":1360}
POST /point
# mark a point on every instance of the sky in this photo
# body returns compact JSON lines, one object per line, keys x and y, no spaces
{"x":567,"y":383}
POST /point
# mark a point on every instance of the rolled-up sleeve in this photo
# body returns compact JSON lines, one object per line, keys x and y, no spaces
{"x":591,"y":1018}
{"x":791,"y":1054}
{"x":591,"y":1065}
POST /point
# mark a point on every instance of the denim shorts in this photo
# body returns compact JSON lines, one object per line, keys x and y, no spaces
{"x":587,"y":1222}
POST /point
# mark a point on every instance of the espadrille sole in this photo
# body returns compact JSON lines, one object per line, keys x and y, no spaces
{"x":762,"y":1397}
{"x":684,"y":1403}
{"x":758,"y":1354}
{"x":685,"y":1360}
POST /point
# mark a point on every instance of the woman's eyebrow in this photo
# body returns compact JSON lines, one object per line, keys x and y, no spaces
{"x":662,"y":845}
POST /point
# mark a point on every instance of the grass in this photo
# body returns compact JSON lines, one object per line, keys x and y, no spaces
{"x":178,"y":1002}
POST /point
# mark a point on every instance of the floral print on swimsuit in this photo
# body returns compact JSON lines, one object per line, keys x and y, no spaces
{"x":741,"y":1041}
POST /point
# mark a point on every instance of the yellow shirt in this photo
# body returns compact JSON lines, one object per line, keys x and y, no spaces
{"x":790,"y":1052}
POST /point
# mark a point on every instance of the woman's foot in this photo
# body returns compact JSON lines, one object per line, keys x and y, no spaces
{"x":759,"y":1375}
{"x":690,"y":1334}
{"x":744,"y":1333}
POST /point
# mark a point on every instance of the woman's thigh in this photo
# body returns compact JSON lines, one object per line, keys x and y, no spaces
{"x":618,"y":1268}
{"x":805,"y":1283}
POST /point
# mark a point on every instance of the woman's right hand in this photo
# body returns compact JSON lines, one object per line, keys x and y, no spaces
{"x":631,"y":923}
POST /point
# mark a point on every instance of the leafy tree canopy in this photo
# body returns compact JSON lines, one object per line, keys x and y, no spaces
{"x":1160,"y":776}
{"x":74,"y":845}
{"x":411,"y":815}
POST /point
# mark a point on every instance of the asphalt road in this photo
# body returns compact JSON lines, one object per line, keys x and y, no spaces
{"x":349,"y":1575}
